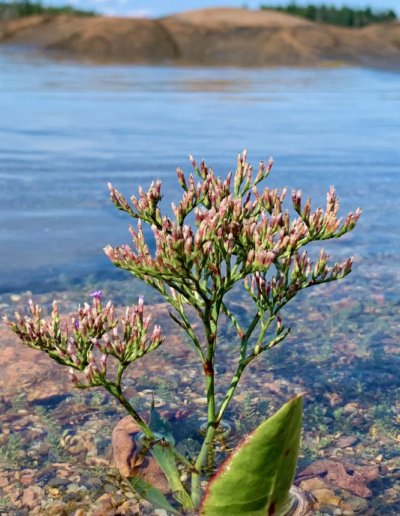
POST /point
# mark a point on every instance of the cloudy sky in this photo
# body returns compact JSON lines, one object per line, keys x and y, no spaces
{"x":154,"y":8}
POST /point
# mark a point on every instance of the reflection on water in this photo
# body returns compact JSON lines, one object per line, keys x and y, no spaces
{"x":65,"y":131}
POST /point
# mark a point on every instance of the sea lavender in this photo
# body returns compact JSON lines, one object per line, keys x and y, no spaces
{"x":94,"y":327}
{"x":240,"y":235}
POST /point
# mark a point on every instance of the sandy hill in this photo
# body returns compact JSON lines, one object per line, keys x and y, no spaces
{"x":223,"y":17}
{"x":208,"y":37}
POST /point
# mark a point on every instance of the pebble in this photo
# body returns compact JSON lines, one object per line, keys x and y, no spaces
{"x":200,"y":401}
{"x":78,"y":448}
{"x":32,"y":496}
{"x":3,"y":482}
{"x":72,"y":488}
{"x":57,"y":481}
{"x":41,"y":448}
{"x":327,"y":496}
{"x":359,"y":505}
{"x":350,"y":408}
{"x":109,"y":488}
{"x":345,"y":442}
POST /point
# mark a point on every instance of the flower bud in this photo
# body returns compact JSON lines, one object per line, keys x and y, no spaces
{"x":72,"y":376}
{"x":55,"y":308}
{"x":60,"y":352}
{"x":89,"y":373}
{"x":181,"y":178}
{"x":103,"y":361}
{"x":112,"y":193}
{"x":141,"y":304}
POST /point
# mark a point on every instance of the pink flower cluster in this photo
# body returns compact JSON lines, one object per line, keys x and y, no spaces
{"x":93,"y":327}
{"x":239,"y":230}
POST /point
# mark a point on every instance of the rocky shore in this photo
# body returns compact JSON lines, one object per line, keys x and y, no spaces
{"x":57,"y":455}
{"x":208,"y":37}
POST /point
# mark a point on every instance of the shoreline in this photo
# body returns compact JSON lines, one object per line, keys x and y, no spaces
{"x":223,"y":37}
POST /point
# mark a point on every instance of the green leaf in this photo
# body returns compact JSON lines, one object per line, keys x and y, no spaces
{"x":160,"y":426}
{"x":166,"y":460}
{"x":256,"y":478}
{"x":151,"y":494}
{"x":165,"y":456}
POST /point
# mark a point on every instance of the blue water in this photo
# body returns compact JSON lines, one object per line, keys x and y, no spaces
{"x":67,"y":129}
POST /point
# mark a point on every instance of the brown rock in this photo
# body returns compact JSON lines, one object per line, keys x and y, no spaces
{"x":76,"y":449}
{"x":13,"y":494}
{"x":350,"y":408}
{"x":125,"y":456}
{"x":124,"y":509}
{"x":3,"y":482}
{"x":32,"y":497}
{"x":343,"y":474}
{"x":359,"y":505}
{"x":125,"y":451}
{"x":326,"y":496}
{"x":106,"y":506}
{"x":345,"y":442}
{"x":274,"y":386}
{"x":27,"y":477}
{"x":311,"y":484}
{"x":104,"y":511}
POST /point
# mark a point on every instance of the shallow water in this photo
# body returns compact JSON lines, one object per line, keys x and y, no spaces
{"x":67,"y":129}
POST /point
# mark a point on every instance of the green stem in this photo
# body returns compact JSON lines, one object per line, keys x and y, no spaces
{"x":116,"y":391}
{"x":210,"y":399}
{"x":210,"y":326}
{"x":121,"y":370}
{"x":240,"y":368}
{"x":201,"y":459}
{"x":231,"y":390}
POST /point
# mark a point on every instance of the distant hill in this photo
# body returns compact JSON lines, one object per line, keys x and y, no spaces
{"x":208,"y":37}
{"x":344,"y":16}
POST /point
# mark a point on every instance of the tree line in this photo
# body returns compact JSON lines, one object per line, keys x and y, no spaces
{"x":344,"y":16}
{"x":21,"y":9}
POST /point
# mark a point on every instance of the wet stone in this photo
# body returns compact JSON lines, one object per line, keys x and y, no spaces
{"x":330,"y":376}
{"x":32,"y":496}
{"x":359,"y":505}
{"x":345,"y":442}
{"x":57,"y":481}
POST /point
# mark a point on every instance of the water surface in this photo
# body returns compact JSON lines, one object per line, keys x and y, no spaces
{"x":67,"y":129}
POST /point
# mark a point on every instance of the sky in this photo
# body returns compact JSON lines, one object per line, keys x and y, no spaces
{"x":156,"y":8}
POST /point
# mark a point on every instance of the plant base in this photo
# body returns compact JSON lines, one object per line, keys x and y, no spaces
{"x":301,"y":504}
{"x":223,"y":430}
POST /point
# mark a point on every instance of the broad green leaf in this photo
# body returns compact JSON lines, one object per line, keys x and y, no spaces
{"x":166,"y":459}
{"x":151,"y":494}
{"x":256,"y":478}
{"x":160,"y":426}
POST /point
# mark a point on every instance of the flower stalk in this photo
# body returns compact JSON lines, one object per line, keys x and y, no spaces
{"x":240,"y":235}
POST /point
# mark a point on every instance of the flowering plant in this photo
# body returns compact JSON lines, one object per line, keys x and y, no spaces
{"x":242,"y":235}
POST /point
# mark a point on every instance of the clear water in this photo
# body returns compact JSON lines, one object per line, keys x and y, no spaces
{"x":67,"y":129}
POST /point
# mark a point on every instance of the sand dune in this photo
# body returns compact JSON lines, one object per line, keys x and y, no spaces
{"x":208,"y":37}
{"x":222,"y":17}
